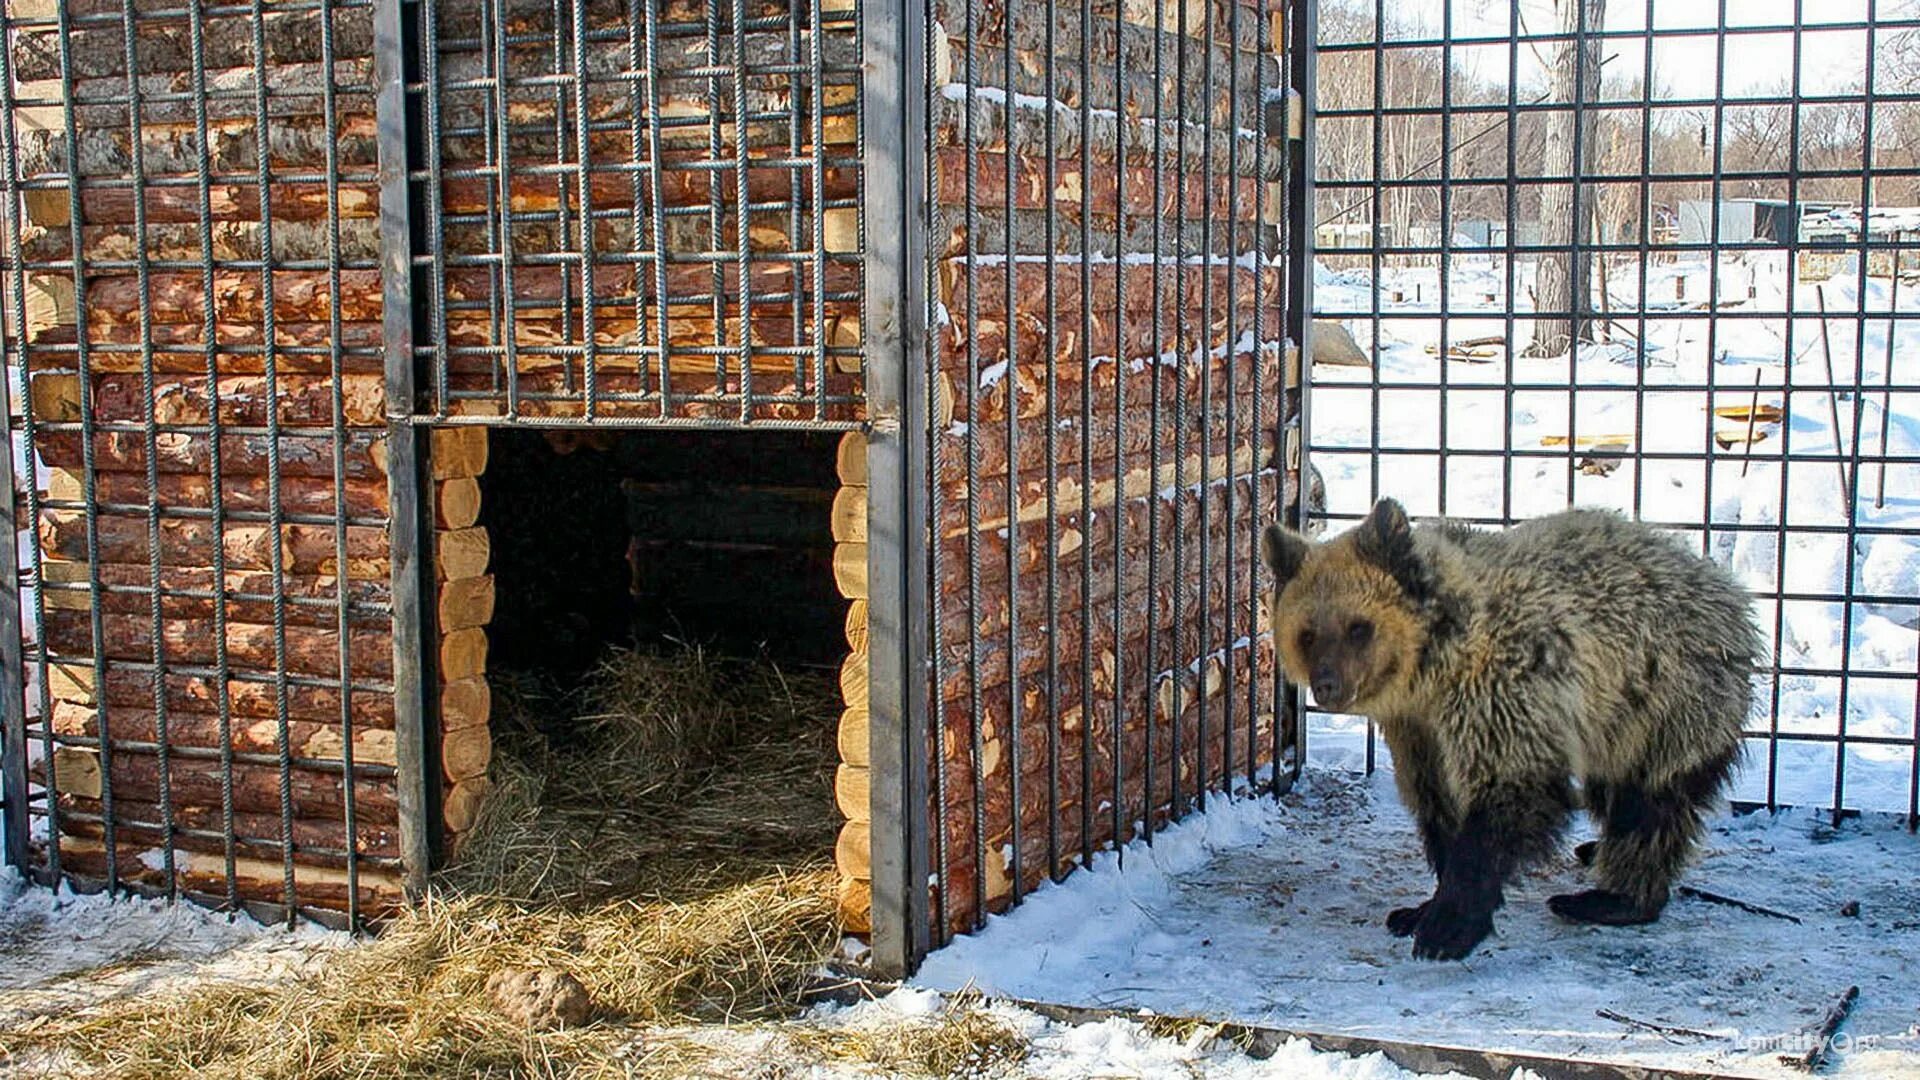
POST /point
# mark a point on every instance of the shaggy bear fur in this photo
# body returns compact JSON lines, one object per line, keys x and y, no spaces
{"x":1501,"y":667}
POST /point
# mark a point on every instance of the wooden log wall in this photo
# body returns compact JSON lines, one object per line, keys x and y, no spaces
{"x":235,"y":351}
{"x":732,"y":542}
{"x":266,"y":399}
{"x":767,"y":304}
{"x":1074,"y":711}
{"x":184,"y":411}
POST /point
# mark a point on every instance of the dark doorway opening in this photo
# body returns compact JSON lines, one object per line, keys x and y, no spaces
{"x":720,"y":540}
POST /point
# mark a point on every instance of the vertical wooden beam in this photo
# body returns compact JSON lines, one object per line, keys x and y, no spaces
{"x":13,"y":716}
{"x":894,"y":337}
{"x":415,"y":789}
{"x":1302,"y":71}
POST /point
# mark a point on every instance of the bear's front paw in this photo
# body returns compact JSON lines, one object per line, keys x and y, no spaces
{"x":1404,"y":921}
{"x":1446,"y":932}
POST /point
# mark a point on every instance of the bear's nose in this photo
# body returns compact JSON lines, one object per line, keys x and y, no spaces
{"x":1326,"y":685}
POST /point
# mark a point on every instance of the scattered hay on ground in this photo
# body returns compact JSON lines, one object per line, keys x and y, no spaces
{"x":664,"y":835}
{"x":961,"y":1038}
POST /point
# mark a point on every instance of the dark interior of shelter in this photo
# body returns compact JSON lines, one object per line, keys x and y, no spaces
{"x":661,"y":539}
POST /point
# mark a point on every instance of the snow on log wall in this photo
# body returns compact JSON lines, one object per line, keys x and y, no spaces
{"x":1087,"y":331}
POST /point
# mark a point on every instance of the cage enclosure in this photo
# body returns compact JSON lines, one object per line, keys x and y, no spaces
{"x":358,"y":348}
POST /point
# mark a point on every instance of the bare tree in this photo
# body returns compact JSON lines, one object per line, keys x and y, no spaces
{"x":1559,"y":280}
{"x":1397,"y":146}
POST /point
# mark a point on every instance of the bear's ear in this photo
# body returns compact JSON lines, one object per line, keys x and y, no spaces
{"x":1283,"y":550}
{"x":1385,"y":539}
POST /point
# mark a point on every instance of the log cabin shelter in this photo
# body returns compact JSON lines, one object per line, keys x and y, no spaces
{"x":981,"y":314}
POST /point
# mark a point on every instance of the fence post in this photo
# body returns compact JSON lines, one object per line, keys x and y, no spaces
{"x":13,"y":683}
{"x":893,"y":138}
{"x":1303,"y":31}
{"x":414,"y":785}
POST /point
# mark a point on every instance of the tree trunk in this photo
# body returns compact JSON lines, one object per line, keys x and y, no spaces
{"x":1560,"y":284}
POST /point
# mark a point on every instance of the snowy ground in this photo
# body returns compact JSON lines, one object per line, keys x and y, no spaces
{"x":60,"y":953}
{"x":1270,"y":913}
{"x":1261,"y":912}
{"x":1122,"y":1048}
{"x":1767,"y":332}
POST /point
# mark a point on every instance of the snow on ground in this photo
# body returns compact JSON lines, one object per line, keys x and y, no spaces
{"x":1121,"y":1048}
{"x":60,"y":951}
{"x":1049,"y":1049}
{"x":1263,"y":912}
{"x":1768,"y":329}
{"x":1271,"y":913}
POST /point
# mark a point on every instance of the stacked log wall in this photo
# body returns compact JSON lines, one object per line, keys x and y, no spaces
{"x":733,"y":542}
{"x":463,"y":606}
{"x":1063,"y":667}
{"x":289,"y":360}
{"x":852,"y":782}
{"x":679,"y":291}
{"x":176,"y":324}
{"x":198,"y":421}
{"x":686,"y":309}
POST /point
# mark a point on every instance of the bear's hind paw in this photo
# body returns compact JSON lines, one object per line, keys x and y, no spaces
{"x":1603,"y":907}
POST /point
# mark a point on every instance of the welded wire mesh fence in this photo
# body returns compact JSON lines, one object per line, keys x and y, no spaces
{"x":638,"y":213}
{"x":1655,"y":255}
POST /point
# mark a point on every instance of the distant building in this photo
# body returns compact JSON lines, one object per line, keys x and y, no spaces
{"x":1492,"y":233}
{"x":1745,"y":221}
{"x":1362,"y":236}
{"x":1843,"y":223}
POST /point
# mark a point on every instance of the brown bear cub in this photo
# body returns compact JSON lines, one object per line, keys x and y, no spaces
{"x":1502,"y":666}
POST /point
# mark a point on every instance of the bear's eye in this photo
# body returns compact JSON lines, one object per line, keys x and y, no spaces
{"x":1306,"y":640}
{"x":1359,"y":632}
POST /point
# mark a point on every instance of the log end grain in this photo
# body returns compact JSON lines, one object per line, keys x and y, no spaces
{"x":466,"y":752}
{"x":461,"y":553}
{"x":850,"y":570}
{"x":853,"y":852}
{"x":856,"y":626}
{"x":853,"y":735}
{"x":852,"y":788}
{"x":853,"y":680}
{"x":849,"y":514}
{"x":851,"y":459}
{"x":460,"y":808}
{"x":50,"y":299}
{"x":856,"y":906}
{"x":465,"y":702}
{"x":463,"y":653}
{"x":465,"y":604}
{"x":457,"y":503}
{"x":458,"y":452}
